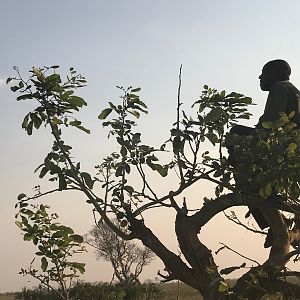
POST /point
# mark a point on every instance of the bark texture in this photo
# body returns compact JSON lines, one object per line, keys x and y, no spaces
{"x":196,"y":266}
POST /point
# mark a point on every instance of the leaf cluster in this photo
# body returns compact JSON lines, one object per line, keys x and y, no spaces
{"x":56,"y":98}
{"x":215,"y":113}
{"x":132,"y":153}
{"x":268,"y":162}
{"x":57,"y":104}
{"x":56,"y":245}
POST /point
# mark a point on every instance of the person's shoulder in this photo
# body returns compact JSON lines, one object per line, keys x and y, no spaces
{"x":282,"y":85}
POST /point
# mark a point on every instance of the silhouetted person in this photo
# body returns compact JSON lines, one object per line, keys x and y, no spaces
{"x":283,"y":97}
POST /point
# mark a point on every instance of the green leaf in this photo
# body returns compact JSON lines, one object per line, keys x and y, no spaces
{"x":218,"y":173}
{"x":268,"y":190}
{"x":291,"y":114}
{"x":214,"y":114}
{"x":267,"y":125}
{"x":136,"y":90}
{"x":44,"y":264}
{"x":127,"y":168}
{"x":129,"y":189}
{"x":24,"y":97}
{"x":86,"y":130}
{"x":140,"y":103}
{"x":29,"y":128}
{"x":8,"y":80}
{"x":25,"y":121}
{"x":292,"y":147}
{"x":123,"y":151}
{"x":223,"y":287}
{"x":56,"y":120}
{"x":222,"y":94}
{"x":21,"y":196}
{"x":55,"y":78}
{"x":62,"y":184}
{"x":119,"y":171}
{"x":105,"y":112}
{"x":177,"y":145}
{"x":134,"y":112}
{"x":213,"y":138}
{"x":77,"y":124}
{"x":76,"y":101}
{"x":77,"y":238}
{"x":14,"y":88}
{"x":19,"y":224}
{"x":28,"y":237}
{"x":66,"y":95}
{"x":163,"y":171}
{"x":79,"y":266}
{"x":87,"y":179}
{"x":246,"y":100}
{"x":136,"y":138}
{"x":36,"y":120}
{"x":43,"y":172}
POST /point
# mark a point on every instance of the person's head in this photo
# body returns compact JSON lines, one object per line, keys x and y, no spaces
{"x":273,"y":71}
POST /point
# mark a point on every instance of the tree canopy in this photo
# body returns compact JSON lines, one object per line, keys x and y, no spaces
{"x":267,"y":176}
{"x":126,"y":257}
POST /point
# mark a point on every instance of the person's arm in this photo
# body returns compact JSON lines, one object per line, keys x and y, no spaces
{"x":276,"y":103}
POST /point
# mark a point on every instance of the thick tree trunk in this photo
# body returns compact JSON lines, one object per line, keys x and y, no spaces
{"x":199,"y":258}
{"x":200,"y":271}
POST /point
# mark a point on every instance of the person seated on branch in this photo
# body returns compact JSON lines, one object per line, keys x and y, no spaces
{"x":283,"y":97}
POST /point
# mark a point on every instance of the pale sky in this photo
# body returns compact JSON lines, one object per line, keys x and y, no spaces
{"x":223,"y":44}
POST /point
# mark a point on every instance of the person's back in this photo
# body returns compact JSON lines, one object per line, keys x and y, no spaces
{"x":283,"y":95}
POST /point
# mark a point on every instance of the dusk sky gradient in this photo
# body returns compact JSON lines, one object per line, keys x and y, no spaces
{"x":223,"y":44}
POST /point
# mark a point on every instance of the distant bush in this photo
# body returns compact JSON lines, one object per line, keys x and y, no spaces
{"x":98,"y":291}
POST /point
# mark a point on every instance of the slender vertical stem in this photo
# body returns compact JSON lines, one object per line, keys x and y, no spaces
{"x":178,"y":97}
{"x":177,"y":122}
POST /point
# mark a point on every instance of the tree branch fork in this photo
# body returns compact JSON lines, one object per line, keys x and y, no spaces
{"x":196,"y":266}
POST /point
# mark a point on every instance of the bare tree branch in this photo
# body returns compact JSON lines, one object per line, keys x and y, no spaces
{"x":236,"y":252}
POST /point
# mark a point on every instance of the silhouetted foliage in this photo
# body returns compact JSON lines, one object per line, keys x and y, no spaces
{"x":56,"y":244}
{"x":266,"y":178}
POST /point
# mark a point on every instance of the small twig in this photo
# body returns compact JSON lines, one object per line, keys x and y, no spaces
{"x":240,"y":254}
{"x":238,"y":222}
{"x":48,"y":192}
